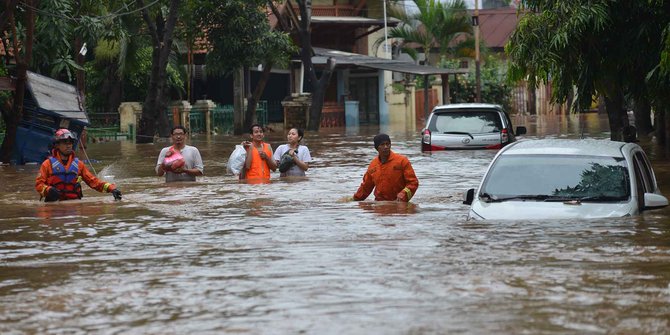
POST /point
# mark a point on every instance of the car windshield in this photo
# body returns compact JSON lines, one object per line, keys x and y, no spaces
{"x":558,"y":178}
{"x":472,"y":122}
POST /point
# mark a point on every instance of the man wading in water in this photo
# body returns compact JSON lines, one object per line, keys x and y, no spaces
{"x":61,"y":174}
{"x":259,"y":159}
{"x":391,"y":175}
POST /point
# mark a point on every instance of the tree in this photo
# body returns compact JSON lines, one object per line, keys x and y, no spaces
{"x":160,"y":29}
{"x":434,"y":25}
{"x":239,"y":36}
{"x":319,"y":84}
{"x":23,"y":51}
{"x":598,"y":47}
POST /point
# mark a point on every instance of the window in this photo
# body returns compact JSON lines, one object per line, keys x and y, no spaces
{"x":475,"y":122}
{"x":647,"y":174}
{"x":560,"y":176}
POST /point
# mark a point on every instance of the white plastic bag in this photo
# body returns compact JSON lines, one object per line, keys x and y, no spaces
{"x":236,"y":160}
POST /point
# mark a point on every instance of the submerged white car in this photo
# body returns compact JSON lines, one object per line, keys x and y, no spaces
{"x":564,"y":179}
{"x":468,"y":126}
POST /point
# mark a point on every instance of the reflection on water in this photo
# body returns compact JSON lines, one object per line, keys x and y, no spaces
{"x":219,"y":256}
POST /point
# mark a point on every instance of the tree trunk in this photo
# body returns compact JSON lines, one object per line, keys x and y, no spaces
{"x":642,"y":111}
{"x":114,"y":86}
{"x":7,"y":13}
{"x":318,"y":96}
{"x":532,"y":99}
{"x":14,"y":117}
{"x":252,"y":102}
{"x":659,"y":122}
{"x":154,"y":109}
{"x":570,"y":101}
{"x":12,"y":120}
{"x":238,"y":102}
{"x":617,"y":116}
{"x":79,"y":58}
{"x":319,"y":85}
{"x":315,"y":110}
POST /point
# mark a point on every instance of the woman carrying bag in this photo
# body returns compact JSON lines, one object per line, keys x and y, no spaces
{"x":292,"y":158}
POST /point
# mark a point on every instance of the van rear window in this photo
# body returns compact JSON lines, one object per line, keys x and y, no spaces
{"x":469,"y":122}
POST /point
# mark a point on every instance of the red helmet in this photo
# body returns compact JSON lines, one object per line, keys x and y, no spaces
{"x":64,"y":134}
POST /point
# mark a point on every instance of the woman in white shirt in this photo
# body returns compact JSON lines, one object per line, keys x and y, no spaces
{"x":298,"y":157}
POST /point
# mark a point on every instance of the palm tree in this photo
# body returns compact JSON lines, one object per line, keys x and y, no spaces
{"x":432,"y":25}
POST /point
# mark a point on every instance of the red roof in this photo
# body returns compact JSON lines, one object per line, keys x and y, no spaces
{"x":496,"y":26}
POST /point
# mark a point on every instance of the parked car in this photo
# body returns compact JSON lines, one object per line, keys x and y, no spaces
{"x":468,"y":126}
{"x":562,"y":179}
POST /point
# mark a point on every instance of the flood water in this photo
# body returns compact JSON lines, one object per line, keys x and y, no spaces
{"x":290,"y":257}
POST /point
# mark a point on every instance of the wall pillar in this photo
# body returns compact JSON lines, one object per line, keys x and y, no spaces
{"x":183,"y":109}
{"x":129,"y":116}
{"x":437,"y":86}
{"x":383,"y":104}
{"x":206,"y":107}
{"x":410,"y":88}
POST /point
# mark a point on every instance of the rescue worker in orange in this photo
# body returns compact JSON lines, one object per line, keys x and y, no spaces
{"x":61,"y":173}
{"x":391,"y":175}
{"x":259,"y":161}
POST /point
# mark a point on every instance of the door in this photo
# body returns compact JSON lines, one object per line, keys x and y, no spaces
{"x":366,"y":91}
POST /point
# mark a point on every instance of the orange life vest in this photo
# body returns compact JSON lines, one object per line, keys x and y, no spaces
{"x":65,"y":179}
{"x":259,"y":167}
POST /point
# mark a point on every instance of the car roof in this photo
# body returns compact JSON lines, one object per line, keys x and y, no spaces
{"x":586,"y":147}
{"x":465,"y":106}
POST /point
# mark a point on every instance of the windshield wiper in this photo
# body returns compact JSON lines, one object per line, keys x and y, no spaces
{"x":459,"y":133}
{"x":492,"y":198}
{"x":486,"y":197}
{"x":603,"y":198}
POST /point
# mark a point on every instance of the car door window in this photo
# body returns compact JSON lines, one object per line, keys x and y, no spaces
{"x":645,"y":171}
{"x":639,"y":183}
{"x":509,"y":122}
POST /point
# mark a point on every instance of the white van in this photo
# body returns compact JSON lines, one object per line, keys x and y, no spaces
{"x":468,"y":126}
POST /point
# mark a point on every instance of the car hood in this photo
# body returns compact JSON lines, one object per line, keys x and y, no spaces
{"x":525,"y":210}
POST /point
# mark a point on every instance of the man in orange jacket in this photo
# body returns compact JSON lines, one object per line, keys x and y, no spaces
{"x":61,"y":174}
{"x":391,"y":175}
{"x":259,"y":161}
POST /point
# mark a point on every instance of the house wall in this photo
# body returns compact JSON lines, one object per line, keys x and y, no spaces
{"x":401,"y":108}
{"x":375,"y":9}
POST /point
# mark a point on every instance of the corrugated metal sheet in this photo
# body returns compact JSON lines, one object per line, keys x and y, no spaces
{"x":342,"y":58}
{"x":57,"y":97}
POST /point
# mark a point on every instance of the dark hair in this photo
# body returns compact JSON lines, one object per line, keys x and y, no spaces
{"x":251,"y":129}
{"x":381,"y":138}
{"x":178,"y":127}
{"x":301,"y":133}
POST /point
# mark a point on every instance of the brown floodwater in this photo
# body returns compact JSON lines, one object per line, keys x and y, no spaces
{"x":218,"y":256}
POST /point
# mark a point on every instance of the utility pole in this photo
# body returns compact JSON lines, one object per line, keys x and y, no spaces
{"x":478,"y":84}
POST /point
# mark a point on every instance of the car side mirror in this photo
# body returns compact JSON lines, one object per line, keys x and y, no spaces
{"x":653,"y":200}
{"x":520,"y":130}
{"x":469,"y":196}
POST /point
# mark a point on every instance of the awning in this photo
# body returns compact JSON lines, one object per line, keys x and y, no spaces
{"x":342,"y":58}
{"x":56,"y":97}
